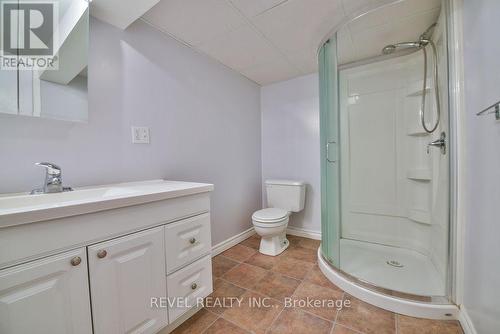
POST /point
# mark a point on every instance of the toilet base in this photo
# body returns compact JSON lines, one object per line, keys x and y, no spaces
{"x":274,"y":245}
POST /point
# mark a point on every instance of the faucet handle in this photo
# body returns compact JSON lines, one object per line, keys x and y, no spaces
{"x":52,"y":169}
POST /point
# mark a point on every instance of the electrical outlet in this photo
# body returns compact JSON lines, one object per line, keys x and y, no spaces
{"x":140,"y":135}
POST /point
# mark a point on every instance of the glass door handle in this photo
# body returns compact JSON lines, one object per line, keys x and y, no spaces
{"x":329,"y":151}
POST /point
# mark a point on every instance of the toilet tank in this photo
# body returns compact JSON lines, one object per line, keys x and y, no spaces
{"x":286,"y":194}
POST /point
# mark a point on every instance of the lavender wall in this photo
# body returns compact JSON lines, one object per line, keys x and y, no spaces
{"x":482,"y":247}
{"x":204,"y":120}
{"x":290,"y":141}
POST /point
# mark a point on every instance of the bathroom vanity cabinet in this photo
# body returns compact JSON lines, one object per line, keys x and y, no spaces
{"x":108,"y":271}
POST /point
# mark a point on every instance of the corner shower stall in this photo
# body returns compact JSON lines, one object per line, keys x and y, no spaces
{"x":385,"y":166}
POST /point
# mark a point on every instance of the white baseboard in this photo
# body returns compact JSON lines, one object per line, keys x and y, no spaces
{"x":301,"y":232}
{"x":466,"y":321}
{"x":228,"y":243}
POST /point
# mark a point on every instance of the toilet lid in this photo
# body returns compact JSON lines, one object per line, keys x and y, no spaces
{"x":270,"y":215}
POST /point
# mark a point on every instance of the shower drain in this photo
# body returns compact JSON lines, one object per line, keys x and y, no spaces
{"x":395,"y":263}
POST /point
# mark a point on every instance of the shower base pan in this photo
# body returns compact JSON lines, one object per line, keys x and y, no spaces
{"x":407,"y":304}
{"x":393,"y":268}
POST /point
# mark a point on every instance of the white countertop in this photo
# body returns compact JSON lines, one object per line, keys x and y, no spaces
{"x":17,"y":209}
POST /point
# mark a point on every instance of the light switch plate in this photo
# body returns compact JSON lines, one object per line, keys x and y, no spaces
{"x":140,"y":135}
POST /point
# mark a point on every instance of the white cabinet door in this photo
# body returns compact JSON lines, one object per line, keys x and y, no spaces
{"x":46,"y":296}
{"x":187,"y":240}
{"x":125,"y":273}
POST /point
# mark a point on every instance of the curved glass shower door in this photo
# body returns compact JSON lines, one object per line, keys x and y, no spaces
{"x":329,"y":137}
{"x":385,"y":190}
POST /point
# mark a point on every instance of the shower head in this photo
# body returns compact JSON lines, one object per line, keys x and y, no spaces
{"x":391,"y":48}
{"x":422,"y":42}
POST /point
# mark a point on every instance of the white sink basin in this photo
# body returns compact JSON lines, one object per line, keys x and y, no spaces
{"x":18,"y":209}
{"x":26,"y":201}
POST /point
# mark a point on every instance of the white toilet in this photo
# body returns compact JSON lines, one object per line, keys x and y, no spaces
{"x":283,"y":198}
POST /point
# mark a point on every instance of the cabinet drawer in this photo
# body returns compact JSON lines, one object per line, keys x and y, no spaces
{"x":186,"y":241}
{"x":189,"y":285}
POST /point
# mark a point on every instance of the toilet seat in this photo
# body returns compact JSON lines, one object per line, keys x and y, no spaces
{"x":270,"y":216}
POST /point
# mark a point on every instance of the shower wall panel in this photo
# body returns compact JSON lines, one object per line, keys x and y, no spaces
{"x":386,"y":172}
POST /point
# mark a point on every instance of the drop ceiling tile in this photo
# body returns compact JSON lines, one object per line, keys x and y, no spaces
{"x":306,"y":61}
{"x":297,"y":25}
{"x":195,"y":21}
{"x":265,"y":74}
{"x":241,"y":48}
{"x":352,"y":6}
{"x":396,"y":11}
{"x":251,"y":8}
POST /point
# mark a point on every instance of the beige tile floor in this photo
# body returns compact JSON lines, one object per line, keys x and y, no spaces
{"x":242,"y":272}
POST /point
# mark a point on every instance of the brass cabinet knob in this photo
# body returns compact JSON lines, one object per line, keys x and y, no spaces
{"x":194,"y":286}
{"x":76,"y":261}
{"x":102,"y":254}
{"x":192,"y":241}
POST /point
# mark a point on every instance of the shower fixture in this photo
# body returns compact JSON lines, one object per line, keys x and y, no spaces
{"x":421,"y":44}
{"x":401,"y":46}
{"x":395,"y":263}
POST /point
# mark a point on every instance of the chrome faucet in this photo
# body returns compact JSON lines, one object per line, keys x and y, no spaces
{"x":53,"y":179}
{"x":440,"y":143}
